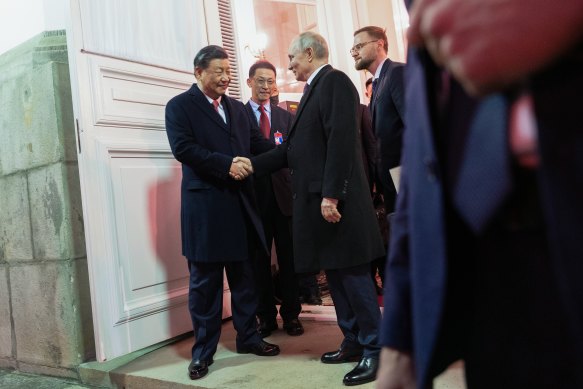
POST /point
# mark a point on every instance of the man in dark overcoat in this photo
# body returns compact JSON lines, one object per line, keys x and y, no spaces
{"x":486,"y":262}
{"x":220,"y":224}
{"x":334,"y":224}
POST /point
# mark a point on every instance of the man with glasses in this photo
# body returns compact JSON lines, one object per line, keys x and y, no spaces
{"x":274,"y":198}
{"x":387,"y":110}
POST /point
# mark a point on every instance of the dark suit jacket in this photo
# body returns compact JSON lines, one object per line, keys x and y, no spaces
{"x":214,"y":206}
{"x":417,"y":267}
{"x":323,"y":153}
{"x":280,"y":181}
{"x":369,"y":144}
{"x":387,"y":111}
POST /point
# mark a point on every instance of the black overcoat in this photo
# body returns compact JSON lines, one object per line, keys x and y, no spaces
{"x":323,"y":153}
{"x":214,"y":207}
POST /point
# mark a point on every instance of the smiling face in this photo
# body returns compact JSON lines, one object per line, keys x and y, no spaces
{"x":214,"y":79}
{"x":364,"y":50}
{"x":300,"y":62}
{"x":262,"y":84}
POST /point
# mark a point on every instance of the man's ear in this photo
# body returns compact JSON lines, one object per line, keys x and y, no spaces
{"x":249,"y":82}
{"x":198,"y":72}
{"x":310,"y":54}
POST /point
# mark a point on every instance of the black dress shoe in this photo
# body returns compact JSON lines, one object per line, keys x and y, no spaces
{"x":198,"y":368}
{"x":261,"y":348}
{"x":365,"y":371}
{"x":343,"y":354}
{"x":293,"y":327}
{"x":265,"y":327}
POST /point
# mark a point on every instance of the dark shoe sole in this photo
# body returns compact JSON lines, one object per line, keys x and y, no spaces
{"x":346,"y":360}
{"x":271,"y":354}
{"x":354,"y":383}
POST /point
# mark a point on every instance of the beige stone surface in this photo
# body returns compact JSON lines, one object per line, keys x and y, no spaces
{"x":297,"y":367}
{"x":45,"y":321}
{"x":56,"y":213}
{"x":15,"y":230}
{"x":5,"y":315}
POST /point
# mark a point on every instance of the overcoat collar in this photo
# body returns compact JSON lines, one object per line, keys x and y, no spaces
{"x":201,"y":101}
{"x":325,"y":70}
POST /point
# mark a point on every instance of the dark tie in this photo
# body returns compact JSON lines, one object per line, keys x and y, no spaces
{"x":375,"y":83}
{"x":264,"y":122}
{"x":306,"y":88}
{"x":484,"y":177}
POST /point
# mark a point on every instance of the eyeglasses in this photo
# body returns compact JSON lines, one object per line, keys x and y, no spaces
{"x":261,"y":81}
{"x":358,"y":47}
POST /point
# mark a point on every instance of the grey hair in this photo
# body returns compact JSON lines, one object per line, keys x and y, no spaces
{"x":312,"y":40}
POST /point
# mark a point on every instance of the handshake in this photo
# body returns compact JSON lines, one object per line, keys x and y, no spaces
{"x":241,"y":168}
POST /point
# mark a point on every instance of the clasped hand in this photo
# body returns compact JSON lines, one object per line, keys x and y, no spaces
{"x":329,"y":209}
{"x":241,"y":168}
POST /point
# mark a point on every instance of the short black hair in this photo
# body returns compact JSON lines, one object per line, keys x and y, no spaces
{"x":203,"y":58}
{"x":262,"y":64}
{"x":368,"y":82}
{"x":375,"y":33}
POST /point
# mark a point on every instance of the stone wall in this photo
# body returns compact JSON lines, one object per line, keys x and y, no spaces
{"x":45,"y":308}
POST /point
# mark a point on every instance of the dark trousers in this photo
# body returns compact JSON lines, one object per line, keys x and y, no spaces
{"x":277,"y":229}
{"x":357,"y":308}
{"x":503,"y":315}
{"x":206,"y":305}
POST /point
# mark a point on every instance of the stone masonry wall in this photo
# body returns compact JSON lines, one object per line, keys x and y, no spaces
{"x":45,"y":308}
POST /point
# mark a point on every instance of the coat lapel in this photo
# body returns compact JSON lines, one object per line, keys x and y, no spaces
{"x":200,"y":100}
{"x":380,"y":87}
{"x":310,"y":92}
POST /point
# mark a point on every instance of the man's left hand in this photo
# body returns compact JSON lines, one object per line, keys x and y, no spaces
{"x":329,"y":208}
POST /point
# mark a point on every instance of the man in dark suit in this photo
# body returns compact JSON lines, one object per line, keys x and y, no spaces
{"x":219,"y":218}
{"x":485,"y":262}
{"x":386,"y":102}
{"x":387,"y":110}
{"x":334,"y":225}
{"x":275,"y":206}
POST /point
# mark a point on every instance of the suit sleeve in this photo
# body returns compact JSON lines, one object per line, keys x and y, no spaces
{"x":185,"y":148}
{"x":368,"y":144}
{"x":396,"y":326}
{"x":398,"y":90}
{"x":339,"y":119}
{"x":270,"y":161}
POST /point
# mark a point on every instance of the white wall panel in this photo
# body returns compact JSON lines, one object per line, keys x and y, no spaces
{"x":159,"y":32}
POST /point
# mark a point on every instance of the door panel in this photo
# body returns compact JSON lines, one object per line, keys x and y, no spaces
{"x":127,"y":59}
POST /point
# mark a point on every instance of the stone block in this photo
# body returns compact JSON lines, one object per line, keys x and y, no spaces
{"x":56,"y":213}
{"x":82,"y":307}
{"x":34,"y":131}
{"x":5,"y":315}
{"x":15,"y":229}
{"x":64,"y":110}
{"x":47,"y":322}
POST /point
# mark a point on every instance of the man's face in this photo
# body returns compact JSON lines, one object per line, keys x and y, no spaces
{"x":261,"y":84}
{"x":299,"y":63}
{"x":214,"y":80}
{"x":364,"y":50}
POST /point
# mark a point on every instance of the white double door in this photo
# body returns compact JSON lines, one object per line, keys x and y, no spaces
{"x":127,"y":59}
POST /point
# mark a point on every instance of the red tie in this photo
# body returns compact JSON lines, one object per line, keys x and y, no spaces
{"x":216,"y":105}
{"x":264,"y":122}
